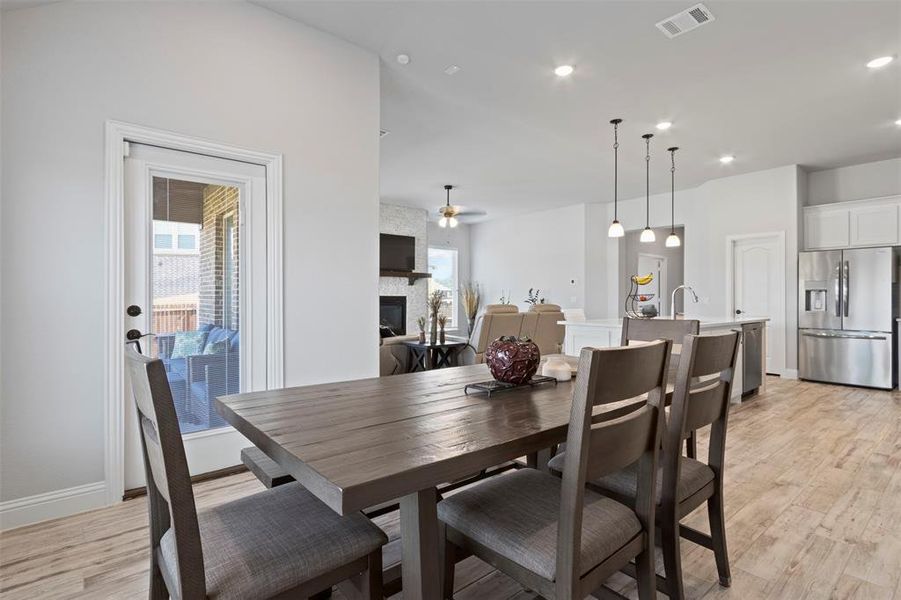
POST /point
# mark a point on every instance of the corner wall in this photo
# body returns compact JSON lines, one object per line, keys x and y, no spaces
{"x":402,"y":220}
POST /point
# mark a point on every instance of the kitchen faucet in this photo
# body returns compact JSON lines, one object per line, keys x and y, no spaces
{"x":684,"y":287}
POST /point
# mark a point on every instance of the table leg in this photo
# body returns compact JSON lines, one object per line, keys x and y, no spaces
{"x":421,"y":563}
{"x":539,"y":460}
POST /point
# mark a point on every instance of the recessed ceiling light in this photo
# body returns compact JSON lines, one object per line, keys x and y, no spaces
{"x":564,"y":70}
{"x":880,"y":62}
{"x":403,"y":59}
{"x":450,"y":70}
{"x":727,"y":159}
{"x":664,"y":125}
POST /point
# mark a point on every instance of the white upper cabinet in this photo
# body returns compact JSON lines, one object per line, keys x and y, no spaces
{"x":874,"y":225}
{"x":827,"y":227}
{"x":860,"y":223}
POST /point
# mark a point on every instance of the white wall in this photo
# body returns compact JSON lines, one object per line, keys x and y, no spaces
{"x":544,"y":250}
{"x":759,"y":202}
{"x":857,"y":182}
{"x":457,"y":238}
{"x":231,"y":72}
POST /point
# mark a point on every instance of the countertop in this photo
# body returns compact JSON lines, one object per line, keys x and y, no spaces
{"x":706,"y":322}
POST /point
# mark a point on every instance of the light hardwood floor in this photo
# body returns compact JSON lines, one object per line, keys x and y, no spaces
{"x":813,"y":507}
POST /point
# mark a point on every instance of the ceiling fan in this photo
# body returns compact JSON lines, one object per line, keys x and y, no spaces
{"x":450,"y":212}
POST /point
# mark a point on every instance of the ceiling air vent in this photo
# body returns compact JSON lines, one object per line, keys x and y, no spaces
{"x":383,"y":132}
{"x":685,"y":21}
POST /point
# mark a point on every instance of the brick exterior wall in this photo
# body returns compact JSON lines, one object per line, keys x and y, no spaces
{"x":175,"y":274}
{"x":218,"y":202}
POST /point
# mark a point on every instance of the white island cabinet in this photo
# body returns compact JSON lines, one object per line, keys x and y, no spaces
{"x":605,"y":333}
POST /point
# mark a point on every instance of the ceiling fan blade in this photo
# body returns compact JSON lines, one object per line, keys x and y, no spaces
{"x":471,"y":213}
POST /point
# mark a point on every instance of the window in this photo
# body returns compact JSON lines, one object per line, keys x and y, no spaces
{"x":443,"y":267}
{"x":171,"y":237}
{"x":187,"y":242}
{"x":162,"y":241}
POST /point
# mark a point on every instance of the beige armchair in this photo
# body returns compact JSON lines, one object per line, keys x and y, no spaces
{"x":538,"y":324}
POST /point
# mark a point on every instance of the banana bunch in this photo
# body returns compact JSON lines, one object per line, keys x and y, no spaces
{"x":643,"y":279}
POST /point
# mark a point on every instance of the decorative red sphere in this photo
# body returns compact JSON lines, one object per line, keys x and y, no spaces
{"x":512,"y":360}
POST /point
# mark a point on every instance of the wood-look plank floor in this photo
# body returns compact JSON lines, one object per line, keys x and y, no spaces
{"x":813,"y":507}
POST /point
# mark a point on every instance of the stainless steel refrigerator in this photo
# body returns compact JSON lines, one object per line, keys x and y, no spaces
{"x":847,"y":305}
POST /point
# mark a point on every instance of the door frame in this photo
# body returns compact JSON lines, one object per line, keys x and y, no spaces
{"x":779,"y":237}
{"x":117,"y":135}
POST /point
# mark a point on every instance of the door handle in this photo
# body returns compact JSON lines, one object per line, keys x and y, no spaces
{"x":845,"y":287}
{"x":737,"y":311}
{"x":844,"y":337}
{"x":838,"y":300}
{"x":133,"y":311}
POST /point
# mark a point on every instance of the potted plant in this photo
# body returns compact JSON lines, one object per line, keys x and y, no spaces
{"x":435,"y":299}
{"x":472,"y":300}
{"x":534,"y":297}
{"x":421,"y":321}
{"x":442,"y":321}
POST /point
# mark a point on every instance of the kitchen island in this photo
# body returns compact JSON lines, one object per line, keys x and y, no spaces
{"x":605,"y":333}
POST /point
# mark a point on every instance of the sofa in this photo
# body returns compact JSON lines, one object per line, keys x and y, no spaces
{"x":198,"y":378}
{"x":539,"y":324}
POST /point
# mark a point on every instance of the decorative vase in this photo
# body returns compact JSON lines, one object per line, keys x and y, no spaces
{"x":422,"y":337}
{"x":441,"y":337}
{"x":512,"y":360}
{"x":433,"y":334}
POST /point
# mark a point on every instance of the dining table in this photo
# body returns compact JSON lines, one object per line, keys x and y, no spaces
{"x":362,"y":443}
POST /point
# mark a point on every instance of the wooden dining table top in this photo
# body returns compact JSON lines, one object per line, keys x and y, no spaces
{"x":358,"y":443}
{"x":355,"y":444}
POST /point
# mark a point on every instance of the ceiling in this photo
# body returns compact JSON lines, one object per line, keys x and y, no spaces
{"x":773,"y":83}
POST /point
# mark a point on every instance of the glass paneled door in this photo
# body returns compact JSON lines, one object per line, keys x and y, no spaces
{"x":191,"y":257}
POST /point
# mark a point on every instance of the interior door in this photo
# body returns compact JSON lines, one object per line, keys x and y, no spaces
{"x":758,"y":272}
{"x":655,"y":265}
{"x":195,"y":285}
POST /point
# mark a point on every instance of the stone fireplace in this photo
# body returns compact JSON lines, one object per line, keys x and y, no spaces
{"x":392,"y":315}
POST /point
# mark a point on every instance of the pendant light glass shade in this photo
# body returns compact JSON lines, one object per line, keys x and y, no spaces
{"x":647,"y":235}
{"x":672,"y":240}
{"x":616,"y":228}
{"x":442,"y":222}
{"x":452,"y":221}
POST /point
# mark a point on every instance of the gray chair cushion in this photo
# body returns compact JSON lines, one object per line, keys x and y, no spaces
{"x":693,"y":476}
{"x":516,"y":515}
{"x":265,"y":544}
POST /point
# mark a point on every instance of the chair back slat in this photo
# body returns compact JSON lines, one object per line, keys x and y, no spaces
{"x":618,"y":443}
{"x":705,"y":405}
{"x":605,"y":376}
{"x":628,"y":374}
{"x":166,"y":468}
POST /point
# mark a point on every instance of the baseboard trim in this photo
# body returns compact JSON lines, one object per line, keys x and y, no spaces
{"x":790,"y":374}
{"x":52,"y":505}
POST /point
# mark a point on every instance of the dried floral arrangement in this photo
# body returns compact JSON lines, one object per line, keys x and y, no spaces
{"x":471,"y":298}
{"x":534,"y":297}
{"x":422,"y":322}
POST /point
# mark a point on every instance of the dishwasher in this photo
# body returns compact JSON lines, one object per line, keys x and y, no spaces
{"x":752,"y":338}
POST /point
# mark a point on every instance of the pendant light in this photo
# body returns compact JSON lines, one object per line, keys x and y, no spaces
{"x":647,"y":235}
{"x":616,"y":228}
{"x":672,"y":240}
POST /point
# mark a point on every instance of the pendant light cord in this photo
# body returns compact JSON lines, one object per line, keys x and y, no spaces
{"x":615,"y":166}
{"x":672,"y":172}
{"x":647,"y":178}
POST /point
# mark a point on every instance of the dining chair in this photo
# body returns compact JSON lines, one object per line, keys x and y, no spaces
{"x":687,"y":483}
{"x":648,"y":330}
{"x":277,"y":543}
{"x":553,"y":535}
